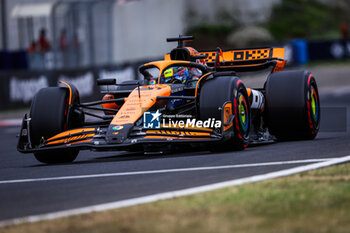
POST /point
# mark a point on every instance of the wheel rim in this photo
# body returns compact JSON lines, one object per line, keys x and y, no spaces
{"x":314,"y":104}
{"x":243,"y":112}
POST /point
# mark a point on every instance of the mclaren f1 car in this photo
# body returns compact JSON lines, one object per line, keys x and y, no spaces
{"x":190,"y":98}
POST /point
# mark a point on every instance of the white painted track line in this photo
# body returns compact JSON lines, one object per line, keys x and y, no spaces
{"x":162,"y":171}
{"x":173,"y":194}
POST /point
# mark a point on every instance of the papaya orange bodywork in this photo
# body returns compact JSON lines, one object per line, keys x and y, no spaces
{"x":204,"y":76}
{"x":70,"y":132}
{"x":136,"y":105}
{"x":126,"y":129}
{"x":161,"y":65}
{"x":72,"y":140}
{"x":279,"y":66}
{"x":70,"y":92}
{"x":169,"y":137}
{"x":109,"y":105}
{"x":188,"y":127}
{"x":278,"y":53}
{"x":176,"y":132}
{"x":249,"y":91}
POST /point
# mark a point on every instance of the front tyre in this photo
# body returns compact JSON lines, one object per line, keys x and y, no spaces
{"x":59,"y":156}
{"x":227,"y":94}
{"x":49,"y":115}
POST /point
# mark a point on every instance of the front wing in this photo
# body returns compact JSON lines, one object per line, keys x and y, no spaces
{"x":99,"y":138}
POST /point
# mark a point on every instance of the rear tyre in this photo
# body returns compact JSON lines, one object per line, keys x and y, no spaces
{"x":292,"y":105}
{"x":49,"y":113}
{"x":213,"y":95}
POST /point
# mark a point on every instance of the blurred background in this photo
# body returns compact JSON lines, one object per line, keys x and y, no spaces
{"x":46,"y":41}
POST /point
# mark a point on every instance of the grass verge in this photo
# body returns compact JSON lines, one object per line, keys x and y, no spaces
{"x":314,"y":201}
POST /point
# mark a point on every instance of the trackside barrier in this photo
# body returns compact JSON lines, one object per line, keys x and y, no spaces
{"x":300,"y":52}
{"x":329,"y":49}
{"x":17,"y":88}
{"x":304,"y":51}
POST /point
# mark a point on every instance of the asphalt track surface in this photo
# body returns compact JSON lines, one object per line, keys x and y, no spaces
{"x":35,"y":197}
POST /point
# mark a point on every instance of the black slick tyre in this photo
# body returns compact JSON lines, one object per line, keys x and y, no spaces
{"x":48,"y":115}
{"x":214,"y":94}
{"x":292,"y":105}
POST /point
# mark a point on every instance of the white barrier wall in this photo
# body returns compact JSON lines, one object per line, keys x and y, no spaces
{"x":244,"y":11}
{"x":141,"y":28}
{"x":13,"y":32}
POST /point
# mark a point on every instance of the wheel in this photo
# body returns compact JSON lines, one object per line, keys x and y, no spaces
{"x":49,"y":116}
{"x":218,"y":91}
{"x":60,"y":156}
{"x":292,"y":105}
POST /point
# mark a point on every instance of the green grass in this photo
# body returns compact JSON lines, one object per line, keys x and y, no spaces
{"x":315,"y":201}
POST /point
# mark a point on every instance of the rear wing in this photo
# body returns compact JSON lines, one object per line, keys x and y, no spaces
{"x":231,"y":60}
{"x":245,"y":59}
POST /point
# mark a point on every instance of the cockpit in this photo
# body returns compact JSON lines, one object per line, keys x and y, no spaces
{"x":187,"y":74}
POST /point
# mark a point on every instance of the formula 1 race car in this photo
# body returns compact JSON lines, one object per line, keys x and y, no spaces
{"x":190,"y":99}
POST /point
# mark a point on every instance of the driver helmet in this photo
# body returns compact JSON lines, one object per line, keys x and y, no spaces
{"x":176,"y":75}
